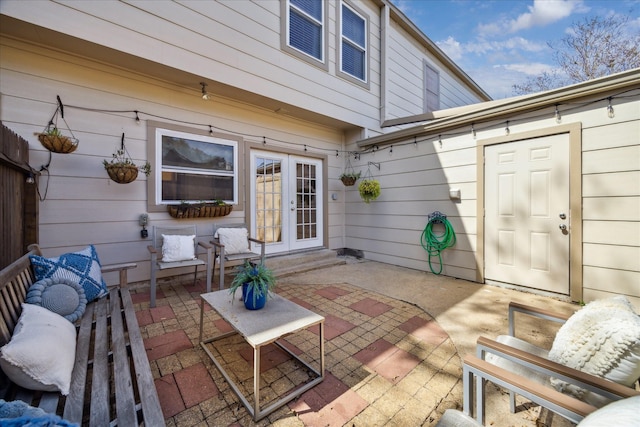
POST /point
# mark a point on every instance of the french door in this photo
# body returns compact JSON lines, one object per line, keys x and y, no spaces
{"x":287,"y":201}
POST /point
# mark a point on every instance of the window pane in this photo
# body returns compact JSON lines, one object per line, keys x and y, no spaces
{"x":352,"y":60}
{"x":312,"y":7}
{"x":191,"y":154}
{"x":305,"y":35}
{"x":177,"y":187}
{"x":352,"y":26}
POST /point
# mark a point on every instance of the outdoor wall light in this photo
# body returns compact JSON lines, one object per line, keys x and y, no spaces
{"x":30,"y":179}
{"x":144,"y":221}
{"x":205,"y":94}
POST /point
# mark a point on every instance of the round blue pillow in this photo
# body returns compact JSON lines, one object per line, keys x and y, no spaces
{"x":60,"y":295}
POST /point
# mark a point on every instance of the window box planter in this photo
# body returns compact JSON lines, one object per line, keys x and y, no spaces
{"x":200,"y":210}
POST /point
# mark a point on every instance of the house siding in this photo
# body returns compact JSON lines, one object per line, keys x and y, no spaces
{"x":83,"y":206}
{"x":416,"y":178}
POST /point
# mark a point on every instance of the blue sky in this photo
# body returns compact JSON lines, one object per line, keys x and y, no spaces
{"x":499,"y":43}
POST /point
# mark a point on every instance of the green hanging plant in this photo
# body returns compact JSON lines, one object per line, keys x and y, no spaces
{"x":369,"y":189}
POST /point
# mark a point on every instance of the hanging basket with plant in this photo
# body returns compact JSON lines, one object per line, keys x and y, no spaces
{"x":52,"y":138}
{"x":369,"y":188}
{"x":349,"y":176}
{"x":121,"y":168}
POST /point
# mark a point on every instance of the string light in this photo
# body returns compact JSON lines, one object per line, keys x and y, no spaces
{"x":473,"y":131}
{"x":137,"y":118}
{"x":264,"y":140}
{"x":210,"y":130}
{"x":415,"y":142}
{"x":440,"y":140}
{"x":610,"y":111}
{"x":557,"y":114}
{"x":337,"y":153}
{"x":507,"y":131}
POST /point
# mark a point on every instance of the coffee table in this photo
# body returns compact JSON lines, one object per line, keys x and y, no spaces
{"x":280,"y":317}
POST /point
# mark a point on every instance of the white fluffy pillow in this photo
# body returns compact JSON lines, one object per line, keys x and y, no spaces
{"x":601,"y":339}
{"x":622,"y":413}
{"x":41,"y":352}
{"x":235,"y":240}
{"x":177,"y":248}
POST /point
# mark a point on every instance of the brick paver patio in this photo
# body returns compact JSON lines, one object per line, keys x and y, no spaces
{"x":388,"y":363}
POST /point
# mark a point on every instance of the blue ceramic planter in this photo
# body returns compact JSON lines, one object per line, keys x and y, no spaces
{"x":247,"y":297}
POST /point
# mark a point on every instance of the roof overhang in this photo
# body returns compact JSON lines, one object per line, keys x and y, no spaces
{"x":441,"y":121}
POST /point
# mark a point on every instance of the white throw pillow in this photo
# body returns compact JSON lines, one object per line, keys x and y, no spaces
{"x":602,"y":339}
{"x":41,"y":352}
{"x":235,"y":240}
{"x":177,"y":248}
{"x":622,"y":413}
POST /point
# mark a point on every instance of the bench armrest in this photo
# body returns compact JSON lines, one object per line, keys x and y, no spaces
{"x":598,"y":385}
{"x":122,"y":268}
{"x":515,"y":307}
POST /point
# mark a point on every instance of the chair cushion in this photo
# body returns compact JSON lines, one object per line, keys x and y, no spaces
{"x":178,"y":248}
{"x":235,"y":240}
{"x":41,"y":352}
{"x":602,"y":339}
{"x":82,"y":267}
{"x":62,"y":296}
{"x":622,"y":413}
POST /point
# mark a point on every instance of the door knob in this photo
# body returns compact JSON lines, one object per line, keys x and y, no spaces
{"x":563,"y":216}
{"x":563,"y":227}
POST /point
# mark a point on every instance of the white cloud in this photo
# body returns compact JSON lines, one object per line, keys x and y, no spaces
{"x":455,"y":50}
{"x":540,"y":14}
{"x":544,"y":12}
{"x":452,"y":48}
{"x":529,"y":69}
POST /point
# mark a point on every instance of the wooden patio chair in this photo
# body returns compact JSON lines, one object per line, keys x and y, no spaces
{"x":231,"y":242}
{"x":599,"y":347}
{"x":177,"y":247}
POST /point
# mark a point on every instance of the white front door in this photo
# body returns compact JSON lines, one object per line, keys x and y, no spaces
{"x":287,"y":199}
{"x":527,"y":213}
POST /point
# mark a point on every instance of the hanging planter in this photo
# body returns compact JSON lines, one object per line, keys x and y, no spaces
{"x":349,"y":176}
{"x":121,"y":168}
{"x":52,"y":138}
{"x":369,"y":188}
{"x":199,"y":210}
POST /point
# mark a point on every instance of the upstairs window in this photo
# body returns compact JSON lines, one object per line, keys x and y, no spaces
{"x":353,"y":43}
{"x":305,"y":29}
{"x":194,"y":168}
{"x":432,"y":89}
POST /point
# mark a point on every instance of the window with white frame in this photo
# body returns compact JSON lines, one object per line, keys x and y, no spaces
{"x":353,"y":43}
{"x":432,"y":89}
{"x":192,"y":168}
{"x":306,"y":27}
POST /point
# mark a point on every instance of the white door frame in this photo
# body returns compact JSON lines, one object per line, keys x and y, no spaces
{"x":286,"y":203}
{"x":575,"y":199}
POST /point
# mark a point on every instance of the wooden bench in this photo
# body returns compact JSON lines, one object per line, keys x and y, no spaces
{"x":112,"y":383}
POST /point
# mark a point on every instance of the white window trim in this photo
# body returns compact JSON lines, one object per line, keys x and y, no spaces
{"x":284,"y":35}
{"x":339,"y":37}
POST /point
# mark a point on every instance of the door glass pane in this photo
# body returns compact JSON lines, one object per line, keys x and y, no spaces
{"x":268,"y":201}
{"x":306,"y":225}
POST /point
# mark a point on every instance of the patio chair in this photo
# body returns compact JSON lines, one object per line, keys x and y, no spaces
{"x":231,"y":242}
{"x":176,"y":247}
{"x":622,"y":413}
{"x":594,"y":359}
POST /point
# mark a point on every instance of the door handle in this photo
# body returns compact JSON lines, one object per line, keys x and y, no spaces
{"x":563,"y":227}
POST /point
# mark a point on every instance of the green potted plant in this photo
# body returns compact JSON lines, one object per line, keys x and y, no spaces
{"x":256,"y":281}
{"x":349,"y":178}
{"x":369,"y":189}
{"x":121,"y":168}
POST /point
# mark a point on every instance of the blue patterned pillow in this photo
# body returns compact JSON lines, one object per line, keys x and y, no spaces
{"x":83,"y":267}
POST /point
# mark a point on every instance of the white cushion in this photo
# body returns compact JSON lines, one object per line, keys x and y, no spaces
{"x":602,"y":339}
{"x":622,"y":413}
{"x":41,"y":352}
{"x":235,"y":240}
{"x":178,"y":248}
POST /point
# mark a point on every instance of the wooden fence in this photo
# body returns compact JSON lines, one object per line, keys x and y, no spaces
{"x":18,"y":199}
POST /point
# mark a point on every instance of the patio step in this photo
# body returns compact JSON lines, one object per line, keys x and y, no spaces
{"x":285,"y":265}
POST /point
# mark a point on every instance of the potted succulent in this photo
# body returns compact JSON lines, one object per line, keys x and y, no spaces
{"x":121,"y":168}
{"x":53,"y":140}
{"x":256,"y":281}
{"x":349,"y":178}
{"x":199,"y":209}
{"x":369,"y":189}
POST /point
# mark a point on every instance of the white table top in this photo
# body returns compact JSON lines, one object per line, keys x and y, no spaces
{"x":278,"y":318}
